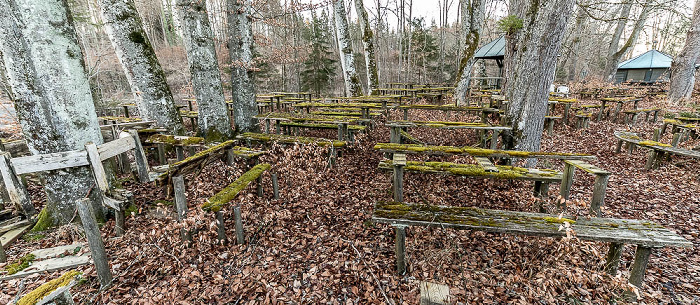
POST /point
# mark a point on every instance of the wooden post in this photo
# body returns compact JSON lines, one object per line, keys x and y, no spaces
{"x":657,"y":134}
{"x":405,"y":114}
{"x":161,"y":154}
{"x":630,"y":147}
{"x":140,"y":157}
{"x":618,"y":149}
{"x":550,"y":127}
{"x":260,"y":186}
{"x":567,"y":107}
{"x":14,"y":187}
{"x":399,"y":161}
{"x":599,"y":187}
{"x":94,"y":238}
{"x":641,"y":259}
{"x":181,"y":205}
{"x":230,"y":157}
{"x":267,"y":126}
{"x":650,"y":160}
{"x":180,"y":153}
{"x":221,"y":229}
{"x":400,"y":249}
{"x":239,"y":224}
{"x":119,"y":217}
{"x":3,"y":256}
{"x":275,"y":186}
{"x":612,"y":260}
{"x":494,"y":138}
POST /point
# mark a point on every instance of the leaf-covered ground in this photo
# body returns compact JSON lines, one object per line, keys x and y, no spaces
{"x":316,"y":244}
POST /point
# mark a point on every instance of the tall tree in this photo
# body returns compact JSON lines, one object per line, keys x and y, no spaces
{"x":347,"y":57}
{"x":683,"y":66}
{"x":241,"y":51}
{"x":45,"y":70}
{"x":473,"y":12}
{"x":534,"y":33}
{"x":615,"y":54}
{"x":138,"y":59}
{"x":368,"y":43}
{"x":214,"y":122}
{"x":319,"y":68}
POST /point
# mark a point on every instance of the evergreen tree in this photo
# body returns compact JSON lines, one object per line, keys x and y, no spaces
{"x":319,"y":67}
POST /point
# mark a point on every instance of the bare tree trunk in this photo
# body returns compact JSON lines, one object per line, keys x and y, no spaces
{"x":614,"y":59}
{"x":347,"y":58}
{"x":531,"y":58}
{"x":575,"y":42}
{"x":135,"y":52}
{"x":241,"y":50}
{"x":683,"y":66}
{"x":213,"y":120}
{"x":368,"y":43}
{"x":45,"y":70}
{"x":472,"y":20}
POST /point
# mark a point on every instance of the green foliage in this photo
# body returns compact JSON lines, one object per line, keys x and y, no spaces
{"x":425,"y":52}
{"x":510,"y":24}
{"x":320,"y":67}
{"x":20,"y":265}
{"x":43,"y":222}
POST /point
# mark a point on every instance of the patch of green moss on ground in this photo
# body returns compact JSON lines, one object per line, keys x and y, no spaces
{"x":46,"y":289}
{"x":33,"y":236}
{"x":164,"y":202}
{"x":131,"y":210}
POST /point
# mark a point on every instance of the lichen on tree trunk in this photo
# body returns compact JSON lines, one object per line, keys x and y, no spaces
{"x":46,"y":73}
{"x":473,"y":12}
{"x":368,"y":43}
{"x":242,"y":75}
{"x":214,"y":122}
{"x":347,"y":58}
{"x":530,"y":60}
{"x":138,"y":59}
{"x":683,"y":66}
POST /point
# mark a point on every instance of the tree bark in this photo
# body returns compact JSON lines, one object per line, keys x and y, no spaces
{"x":347,"y":58}
{"x":530,"y":59}
{"x":242,"y":75}
{"x":138,"y":59}
{"x":46,"y":73}
{"x":614,"y":57}
{"x":214,"y":122}
{"x":578,"y":29}
{"x":683,"y":66}
{"x":368,"y":43}
{"x":472,"y":20}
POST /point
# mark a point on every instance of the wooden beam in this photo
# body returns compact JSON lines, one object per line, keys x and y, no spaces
{"x":97,"y":247}
{"x":15,"y":189}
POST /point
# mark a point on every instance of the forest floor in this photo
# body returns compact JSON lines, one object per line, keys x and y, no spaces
{"x":317,"y":244}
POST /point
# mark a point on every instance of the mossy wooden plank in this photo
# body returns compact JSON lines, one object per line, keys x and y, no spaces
{"x":321,"y":126}
{"x":196,"y":161}
{"x":478,"y":152}
{"x":635,"y":139}
{"x":447,"y":108}
{"x":486,"y":164}
{"x":247,"y":153}
{"x":587,"y":167}
{"x":216,"y":202}
{"x":292,"y":117}
{"x":628,"y":231}
{"x":261,"y":137}
{"x":445,"y":125}
{"x":471,"y":170}
{"x":174,"y":140}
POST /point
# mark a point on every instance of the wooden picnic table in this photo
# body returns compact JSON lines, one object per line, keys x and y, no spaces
{"x":396,"y":127}
{"x":619,"y":101}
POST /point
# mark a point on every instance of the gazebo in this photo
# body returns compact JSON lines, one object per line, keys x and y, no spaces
{"x":494,"y":50}
{"x":650,"y":67}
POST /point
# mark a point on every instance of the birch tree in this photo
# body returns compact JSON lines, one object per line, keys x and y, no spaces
{"x":347,"y":58}
{"x":213,"y":120}
{"x":534,"y":34}
{"x":138,"y":59}
{"x":683,"y":66}
{"x":44,"y":67}
{"x":614,"y":53}
{"x":472,"y":20}
{"x":240,"y":49}
{"x":368,"y":43}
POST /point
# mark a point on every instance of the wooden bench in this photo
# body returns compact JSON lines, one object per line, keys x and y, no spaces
{"x":483,"y":112}
{"x":634,"y":114}
{"x":251,"y":137}
{"x":217,"y":202}
{"x":397,"y":126}
{"x":582,"y":119}
{"x":549,"y":122}
{"x":645,"y":235}
{"x":599,"y":186}
{"x":658,"y":150}
{"x":686,"y":130}
{"x":346,"y":132}
{"x":180,"y":143}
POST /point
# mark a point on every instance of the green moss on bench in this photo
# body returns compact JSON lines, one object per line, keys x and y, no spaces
{"x":44,"y":290}
{"x":471,"y":170}
{"x":174,"y":140}
{"x":477,"y":152}
{"x":216,"y":202}
{"x":264,"y":137}
{"x":321,"y":126}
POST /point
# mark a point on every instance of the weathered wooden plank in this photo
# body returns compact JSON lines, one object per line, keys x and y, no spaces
{"x":48,"y":162}
{"x":471,"y":151}
{"x":97,"y":247}
{"x":140,"y":157}
{"x":116,"y":147}
{"x":445,"y":125}
{"x":50,"y":265}
{"x":486,"y":164}
{"x":471,"y":170}
{"x":97,"y":169}
{"x":15,"y":190}
{"x":627,"y":231}
{"x":12,"y":235}
{"x":14,"y":225}
{"x":635,"y":139}
{"x":259,"y":137}
{"x":434,"y":294}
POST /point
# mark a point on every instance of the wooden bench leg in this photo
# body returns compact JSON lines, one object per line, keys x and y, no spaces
{"x":651,"y":159}
{"x":3,"y":255}
{"x":405,"y":114}
{"x":260,"y":186}
{"x":181,"y":205}
{"x":275,"y":186}
{"x":161,"y":154}
{"x":566,"y":181}
{"x":221,"y":229}
{"x":239,"y":225}
{"x":599,"y":187}
{"x":550,"y":127}
{"x":398,"y":183}
{"x":630,"y":147}
{"x":180,"y":153}
{"x":494,"y":139}
{"x":612,"y":260}
{"x":676,"y":139}
{"x":618,"y":149}
{"x":567,"y":107}
{"x":639,"y":267}
{"x":400,"y":249}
